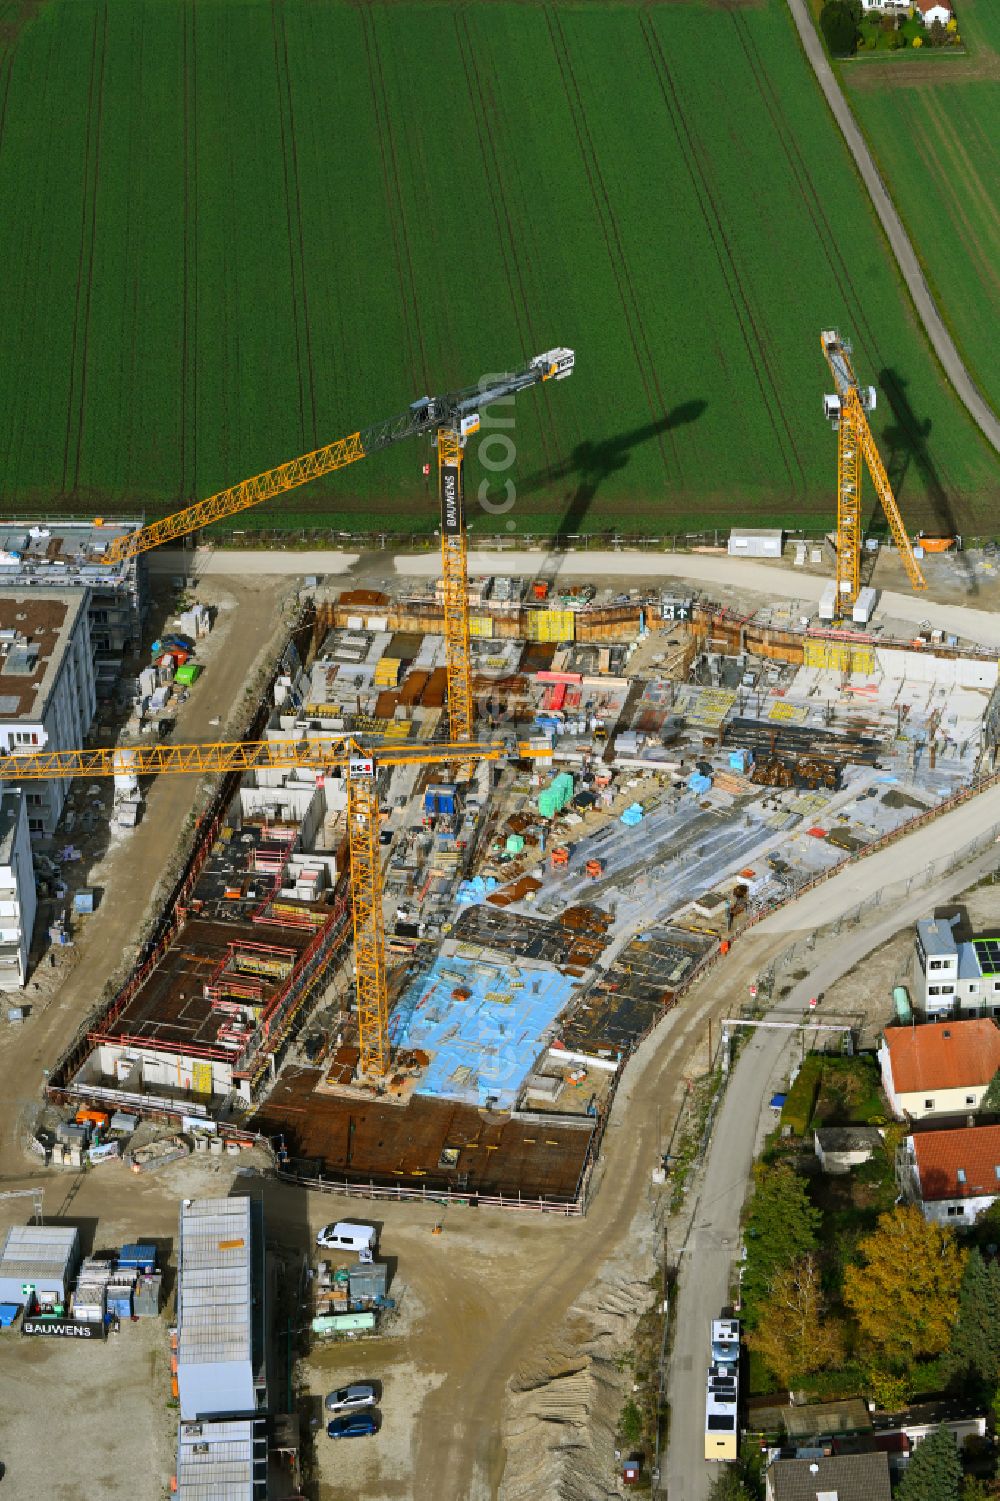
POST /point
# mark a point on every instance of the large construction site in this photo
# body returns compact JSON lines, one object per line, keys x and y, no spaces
{"x":486,"y":831}
{"x":688,"y":769}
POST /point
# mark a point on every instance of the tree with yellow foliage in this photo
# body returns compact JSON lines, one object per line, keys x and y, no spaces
{"x":792,"y":1337}
{"x":904,"y":1293}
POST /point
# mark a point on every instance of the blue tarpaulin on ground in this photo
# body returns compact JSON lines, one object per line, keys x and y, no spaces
{"x":484,"y":1024}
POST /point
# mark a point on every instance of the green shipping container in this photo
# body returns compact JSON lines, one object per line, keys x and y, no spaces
{"x":188,"y":673}
{"x":556,"y":795}
{"x":342,"y":1323}
{"x":547,"y":805}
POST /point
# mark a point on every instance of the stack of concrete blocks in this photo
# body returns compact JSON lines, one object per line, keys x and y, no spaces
{"x":196,"y":622}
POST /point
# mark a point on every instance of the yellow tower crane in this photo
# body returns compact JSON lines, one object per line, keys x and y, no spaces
{"x":451,"y":419}
{"x":847,"y":410}
{"x":361,"y":768}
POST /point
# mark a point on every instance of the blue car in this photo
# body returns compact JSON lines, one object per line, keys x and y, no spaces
{"x":355,"y":1425}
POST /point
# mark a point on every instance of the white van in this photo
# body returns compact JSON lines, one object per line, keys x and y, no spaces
{"x":347,"y":1235}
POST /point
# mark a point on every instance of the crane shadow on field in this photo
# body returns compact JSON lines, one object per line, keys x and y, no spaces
{"x":905,"y":443}
{"x":591,"y":464}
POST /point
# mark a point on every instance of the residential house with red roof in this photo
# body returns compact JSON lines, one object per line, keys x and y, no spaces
{"x":953,"y":1175}
{"x":939,"y":1068}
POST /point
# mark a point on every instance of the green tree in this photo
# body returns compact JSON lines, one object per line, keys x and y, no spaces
{"x":935,"y":1471}
{"x":729,"y":1485}
{"x":904,"y":1293}
{"x":793,"y":1337}
{"x":974,"y":1351}
{"x":781,"y":1227}
{"x":975,"y":1489}
{"x":630,"y":1424}
{"x":991,"y":1099}
{"x":839,"y":28}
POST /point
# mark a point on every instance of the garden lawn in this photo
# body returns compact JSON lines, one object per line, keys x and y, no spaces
{"x":237,"y":230}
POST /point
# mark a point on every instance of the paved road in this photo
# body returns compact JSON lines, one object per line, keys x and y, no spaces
{"x":711,"y":1248}
{"x":902,"y":248}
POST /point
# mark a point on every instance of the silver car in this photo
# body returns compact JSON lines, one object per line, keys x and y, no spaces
{"x":350,"y":1398}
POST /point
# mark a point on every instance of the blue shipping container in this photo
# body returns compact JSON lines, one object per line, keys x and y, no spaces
{"x":140,"y":1257}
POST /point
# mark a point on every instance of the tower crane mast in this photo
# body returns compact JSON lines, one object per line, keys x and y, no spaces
{"x":451,"y":419}
{"x":361,"y":768}
{"x":847,"y":410}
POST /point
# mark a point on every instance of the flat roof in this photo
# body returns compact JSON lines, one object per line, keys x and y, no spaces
{"x":215,"y":1461}
{"x":35,"y":629}
{"x":61,"y":552}
{"x":38,"y":1250}
{"x":214,"y":1284}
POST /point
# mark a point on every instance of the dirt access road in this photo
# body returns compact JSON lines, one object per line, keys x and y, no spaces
{"x":710,"y":1252}
{"x":248,"y":619}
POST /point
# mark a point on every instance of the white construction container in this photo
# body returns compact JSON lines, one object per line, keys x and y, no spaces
{"x":864,"y":606}
{"x":756,"y":542}
{"x":828,"y":602}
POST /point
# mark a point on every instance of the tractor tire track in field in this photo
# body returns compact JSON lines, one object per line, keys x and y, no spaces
{"x":189,"y":260}
{"x":304,"y":369}
{"x":484,"y":107}
{"x":129,"y":444}
{"x":768,"y":383}
{"x":826,"y":233}
{"x":77,"y":395}
{"x":953,"y":152}
{"x":937,"y":172}
{"x":409,"y":291}
{"x":613,"y":244}
{"x":8,"y":63}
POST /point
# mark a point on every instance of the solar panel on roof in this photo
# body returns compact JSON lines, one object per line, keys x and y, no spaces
{"x":988,"y":954}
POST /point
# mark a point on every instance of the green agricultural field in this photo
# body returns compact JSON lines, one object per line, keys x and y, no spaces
{"x":235,"y":230}
{"x":934,"y":127}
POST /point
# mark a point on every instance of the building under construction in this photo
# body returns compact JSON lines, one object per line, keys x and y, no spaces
{"x":690,"y":773}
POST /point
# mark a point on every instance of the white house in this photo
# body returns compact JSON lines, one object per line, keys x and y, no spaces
{"x":952,"y":978}
{"x":953,"y":1175}
{"x":939,"y":1069}
{"x":930,"y":11}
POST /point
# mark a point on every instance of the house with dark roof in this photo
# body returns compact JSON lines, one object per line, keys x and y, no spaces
{"x":953,"y":1175}
{"x":939,"y":1069}
{"x":834,"y":1477}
